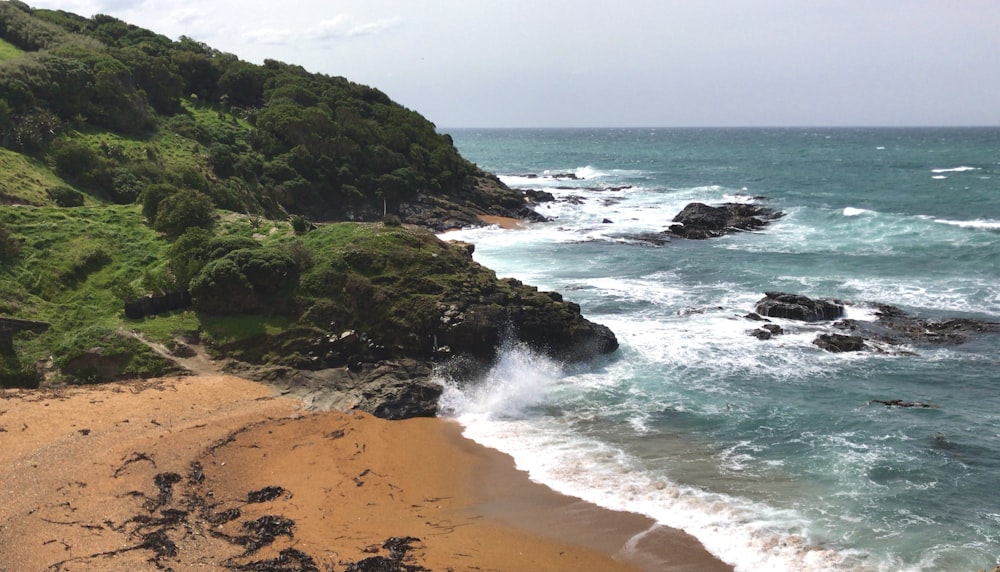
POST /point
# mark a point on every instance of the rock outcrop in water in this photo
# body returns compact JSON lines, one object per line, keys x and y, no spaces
{"x":892,"y":326}
{"x":839,"y":343}
{"x":796,"y":307}
{"x":700,"y":221}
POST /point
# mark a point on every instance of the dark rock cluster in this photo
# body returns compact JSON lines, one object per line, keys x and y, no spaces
{"x":892,"y":327}
{"x":795,"y":307}
{"x":700,"y":221}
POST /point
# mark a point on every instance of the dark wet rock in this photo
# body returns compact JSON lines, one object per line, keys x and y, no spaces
{"x":766,"y":332}
{"x":607,"y":221}
{"x":482,"y":194}
{"x":536,"y":196}
{"x":700,"y":221}
{"x":894,"y":326}
{"x":650,"y":238}
{"x":905,"y":404}
{"x":393,"y":389}
{"x":796,"y":307}
{"x":838,"y":343}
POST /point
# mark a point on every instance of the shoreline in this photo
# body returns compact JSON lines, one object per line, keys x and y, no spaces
{"x":93,"y":476}
{"x":507,"y":494}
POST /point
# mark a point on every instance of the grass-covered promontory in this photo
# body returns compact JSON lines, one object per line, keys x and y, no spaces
{"x":336,"y":295}
{"x":135,"y":166}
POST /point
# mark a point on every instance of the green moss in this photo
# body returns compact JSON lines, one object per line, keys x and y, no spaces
{"x":223,"y":330}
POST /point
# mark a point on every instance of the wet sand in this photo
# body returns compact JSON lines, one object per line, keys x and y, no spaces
{"x":201,"y":473}
{"x":504,"y":222}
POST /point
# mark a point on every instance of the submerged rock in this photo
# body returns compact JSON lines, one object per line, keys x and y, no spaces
{"x":700,"y":221}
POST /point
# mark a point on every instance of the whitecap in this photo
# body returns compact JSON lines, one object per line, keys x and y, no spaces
{"x":978,"y":223}
{"x":955,"y":170}
{"x":852,"y":211}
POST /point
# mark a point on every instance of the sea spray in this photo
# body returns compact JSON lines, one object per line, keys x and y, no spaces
{"x":511,"y":408}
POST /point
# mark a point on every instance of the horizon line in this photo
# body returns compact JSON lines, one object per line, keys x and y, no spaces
{"x":553,"y":127}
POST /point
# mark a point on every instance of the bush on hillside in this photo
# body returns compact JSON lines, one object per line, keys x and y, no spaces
{"x":65,"y":196}
{"x":152,"y":196}
{"x":182,"y":210}
{"x":10,"y":247}
{"x":220,"y":288}
{"x":245,"y":280}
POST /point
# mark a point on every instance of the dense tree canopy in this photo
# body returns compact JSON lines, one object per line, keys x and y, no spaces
{"x":288,"y":141}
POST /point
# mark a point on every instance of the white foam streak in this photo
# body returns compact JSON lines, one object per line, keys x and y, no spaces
{"x":955,"y":169}
{"x":978,"y":223}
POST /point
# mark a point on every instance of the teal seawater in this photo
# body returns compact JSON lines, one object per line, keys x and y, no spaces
{"x":765,"y":450}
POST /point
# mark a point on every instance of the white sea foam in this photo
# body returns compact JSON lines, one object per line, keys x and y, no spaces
{"x":955,"y":170}
{"x":979,"y":223}
{"x":852,"y":211}
{"x":957,"y":295}
{"x":751,"y":535}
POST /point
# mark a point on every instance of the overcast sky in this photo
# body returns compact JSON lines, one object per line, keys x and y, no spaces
{"x":651,"y":63}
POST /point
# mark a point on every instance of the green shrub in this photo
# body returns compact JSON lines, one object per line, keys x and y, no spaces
{"x":126,"y":187}
{"x":220,"y":246}
{"x":75,"y":161}
{"x":65,"y":196}
{"x":152,"y":196}
{"x":245,"y":280}
{"x":188,"y":255}
{"x":10,"y":247}
{"x":182,"y":210}
{"x":220,"y":288}
{"x":300,"y":225}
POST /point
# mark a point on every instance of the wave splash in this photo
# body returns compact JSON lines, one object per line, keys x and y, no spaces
{"x":519,"y":381}
{"x":512,"y":409}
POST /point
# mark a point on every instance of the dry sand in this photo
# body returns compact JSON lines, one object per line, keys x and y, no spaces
{"x":165,"y":474}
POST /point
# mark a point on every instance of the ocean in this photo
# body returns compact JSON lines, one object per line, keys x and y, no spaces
{"x":767,"y":451}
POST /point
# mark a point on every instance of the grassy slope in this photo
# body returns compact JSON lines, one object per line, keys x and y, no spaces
{"x":76,"y":261}
{"x":8,"y":50}
{"x":24,"y":180}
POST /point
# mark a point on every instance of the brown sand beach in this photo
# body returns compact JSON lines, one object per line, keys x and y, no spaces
{"x":215,"y":472}
{"x":504,"y":222}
